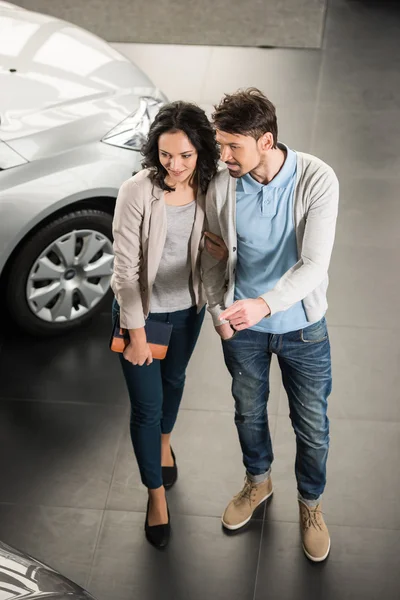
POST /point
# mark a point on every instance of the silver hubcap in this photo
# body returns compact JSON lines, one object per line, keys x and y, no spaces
{"x":71,"y":276}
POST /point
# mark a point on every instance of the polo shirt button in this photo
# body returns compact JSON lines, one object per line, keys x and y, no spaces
{"x":234,"y":248}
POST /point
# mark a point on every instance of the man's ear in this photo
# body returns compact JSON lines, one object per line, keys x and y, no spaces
{"x":266,"y":141}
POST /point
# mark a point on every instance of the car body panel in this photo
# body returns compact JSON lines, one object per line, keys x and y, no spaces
{"x":69,"y":89}
{"x":32,"y":194}
{"x":23,"y":577}
{"x":59,"y":74}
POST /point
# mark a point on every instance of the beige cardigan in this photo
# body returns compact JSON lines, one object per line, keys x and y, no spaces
{"x":140,"y":230}
{"x":316,"y":198}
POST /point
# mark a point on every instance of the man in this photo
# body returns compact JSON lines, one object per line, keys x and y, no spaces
{"x":276,"y":211}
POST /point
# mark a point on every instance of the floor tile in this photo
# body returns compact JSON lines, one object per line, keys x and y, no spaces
{"x":363,"y":565}
{"x":369,"y":213}
{"x":363,"y":289}
{"x":366,"y":80}
{"x":208,"y":383}
{"x":359,"y":143}
{"x":367,"y":26}
{"x":366,"y":379}
{"x":207,"y":107}
{"x":157,"y":60}
{"x":200,"y":562}
{"x":79,"y":367}
{"x":362,"y":481}
{"x":209,"y":462}
{"x":63,"y":538}
{"x":267,"y":69}
{"x":126,"y":489}
{"x":296,"y":125}
{"x":361,"y":62}
{"x":58,"y":454}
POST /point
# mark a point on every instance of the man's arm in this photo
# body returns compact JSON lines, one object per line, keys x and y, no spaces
{"x":213,"y":272}
{"x":319,"y":234}
{"x":310,"y":270}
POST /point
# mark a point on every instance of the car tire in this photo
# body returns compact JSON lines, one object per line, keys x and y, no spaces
{"x":90,"y":220}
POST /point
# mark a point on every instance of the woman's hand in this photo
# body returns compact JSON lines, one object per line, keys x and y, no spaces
{"x":138,"y":351}
{"x":216,"y":246}
{"x":225,"y":331}
{"x":138,"y":354}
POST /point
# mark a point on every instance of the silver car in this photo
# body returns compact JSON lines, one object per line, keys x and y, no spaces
{"x":24,"y":577}
{"x":74,"y":113}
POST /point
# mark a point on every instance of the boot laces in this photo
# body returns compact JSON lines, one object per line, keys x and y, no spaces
{"x":246,"y":493}
{"x":311,"y":517}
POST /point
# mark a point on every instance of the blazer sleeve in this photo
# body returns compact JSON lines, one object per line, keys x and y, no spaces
{"x":213,"y":272}
{"x":125,"y":283}
{"x":319,"y":234}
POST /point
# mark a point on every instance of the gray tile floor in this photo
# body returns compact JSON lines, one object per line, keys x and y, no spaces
{"x":70,"y":491}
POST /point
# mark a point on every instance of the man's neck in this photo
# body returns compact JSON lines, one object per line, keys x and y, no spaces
{"x":267,"y":170}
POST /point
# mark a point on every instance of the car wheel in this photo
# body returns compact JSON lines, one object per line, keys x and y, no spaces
{"x":61,"y":276}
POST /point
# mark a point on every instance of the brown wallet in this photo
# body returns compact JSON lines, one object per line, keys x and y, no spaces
{"x":158,"y":337}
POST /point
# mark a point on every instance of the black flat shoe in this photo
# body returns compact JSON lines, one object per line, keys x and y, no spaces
{"x":157,"y":535}
{"x":170,"y":474}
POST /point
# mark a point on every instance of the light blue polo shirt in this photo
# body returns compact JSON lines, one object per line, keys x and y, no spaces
{"x":266,"y":242}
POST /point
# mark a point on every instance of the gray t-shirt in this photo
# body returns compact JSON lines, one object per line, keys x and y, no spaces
{"x":172,"y":289}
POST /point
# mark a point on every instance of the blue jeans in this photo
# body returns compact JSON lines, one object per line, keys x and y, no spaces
{"x":305,"y":362}
{"x":155,"y":391}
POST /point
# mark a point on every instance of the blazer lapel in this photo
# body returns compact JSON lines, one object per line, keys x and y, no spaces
{"x":197,"y":232}
{"x":157,"y":234}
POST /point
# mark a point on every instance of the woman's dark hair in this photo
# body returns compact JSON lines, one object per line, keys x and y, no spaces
{"x":193,"y":121}
{"x":247,"y":112}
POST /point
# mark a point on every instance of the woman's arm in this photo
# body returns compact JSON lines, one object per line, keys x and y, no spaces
{"x":125,"y":283}
{"x":216,"y":246}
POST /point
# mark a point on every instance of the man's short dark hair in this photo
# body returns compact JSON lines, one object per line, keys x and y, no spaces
{"x":247,"y":112}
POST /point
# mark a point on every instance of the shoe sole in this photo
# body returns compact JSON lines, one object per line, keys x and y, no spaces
{"x":314,"y":558}
{"x":234,"y":527}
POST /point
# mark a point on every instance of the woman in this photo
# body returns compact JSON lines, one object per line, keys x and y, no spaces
{"x":158,"y":227}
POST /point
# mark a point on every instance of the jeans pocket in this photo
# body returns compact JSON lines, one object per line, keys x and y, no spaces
{"x":233,"y":337}
{"x":315,"y":333}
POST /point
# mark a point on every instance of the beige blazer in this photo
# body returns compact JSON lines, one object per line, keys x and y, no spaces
{"x":140,"y":230}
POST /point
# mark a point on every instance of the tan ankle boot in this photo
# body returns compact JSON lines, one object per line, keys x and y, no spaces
{"x":314,"y":533}
{"x":240,"y":510}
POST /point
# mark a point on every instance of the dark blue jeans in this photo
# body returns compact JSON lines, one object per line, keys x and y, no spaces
{"x":305,"y":362}
{"x":155,"y":391}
